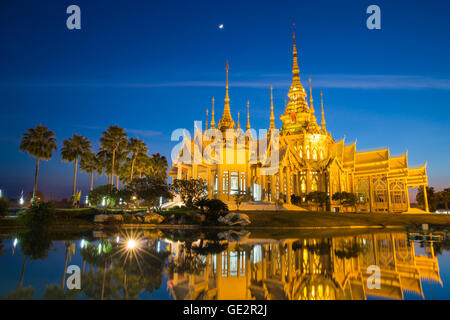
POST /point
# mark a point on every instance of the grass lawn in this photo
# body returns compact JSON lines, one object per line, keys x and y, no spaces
{"x":325,"y":219}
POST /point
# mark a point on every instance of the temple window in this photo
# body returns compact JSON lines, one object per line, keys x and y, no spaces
{"x":321,"y":154}
{"x":234,"y":182}
{"x":243,"y":182}
{"x":307,"y":152}
{"x":301,"y":152}
{"x":314,"y":154}
{"x":225,"y":182}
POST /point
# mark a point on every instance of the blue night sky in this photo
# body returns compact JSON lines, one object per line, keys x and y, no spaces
{"x":153,"y":66}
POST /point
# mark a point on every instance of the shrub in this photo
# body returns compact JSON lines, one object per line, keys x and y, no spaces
{"x":97,"y":195}
{"x":297,"y":200}
{"x":4,"y":206}
{"x":190,"y":190}
{"x":215,"y":209}
{"x":40,"y":214}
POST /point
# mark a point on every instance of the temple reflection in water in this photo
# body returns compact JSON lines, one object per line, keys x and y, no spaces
{"x":300,"y":269}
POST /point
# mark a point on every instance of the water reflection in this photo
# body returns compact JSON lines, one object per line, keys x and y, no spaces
{"x":225,"y":265}
{"x":302,"y":269}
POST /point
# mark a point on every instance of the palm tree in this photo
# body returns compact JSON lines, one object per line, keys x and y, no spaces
{"x":136,"y":147}
{"x":90,"y":163}
{"x":72,"y":149}
{"x":111,"y":140}
{"x":142,"y":164}
{"x":158,"y":165}
{"x":39,"y":143}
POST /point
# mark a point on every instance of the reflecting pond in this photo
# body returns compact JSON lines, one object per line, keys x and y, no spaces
{"x":183,"y":264}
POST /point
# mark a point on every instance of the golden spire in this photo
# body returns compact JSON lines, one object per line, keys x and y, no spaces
{"x":206,"y":124}
{"x":227,"y":121}
{"x":213,"y":123}
{"x":310,"y":97}
{"x":238,"y":124}
{"x":272,"y":117}
{"x":296,"y":112}
{"x":295,"y":68}
{"x":248,"y":115}
{"x":324,"y":129}
{"x":312,"y":119}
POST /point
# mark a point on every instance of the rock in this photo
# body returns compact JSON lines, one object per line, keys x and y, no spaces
{"x":110,"y":218}
{"x":153,"y":218}
{"x":235,"y":219}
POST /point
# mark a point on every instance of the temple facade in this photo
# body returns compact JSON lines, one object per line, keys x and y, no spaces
{"x":307,"y":159}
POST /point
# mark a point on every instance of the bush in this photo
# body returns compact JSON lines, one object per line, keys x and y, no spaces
{"x":40,"y":214}
{"x":4,"y":206}
{"x":97,"y":195}
{"x":297,"y":200}
{"x":190,"y":190}
{"x":215,"y":209}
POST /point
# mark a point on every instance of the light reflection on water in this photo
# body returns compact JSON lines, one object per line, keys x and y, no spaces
{"x":175,"y":264}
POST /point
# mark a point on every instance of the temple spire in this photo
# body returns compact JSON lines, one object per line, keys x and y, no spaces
{"x":295,"y":68}
{"x":206,"y":123}
{"x":311,"y":97}
{"x":248,"y":115}
{"x":324,"y":129}
{"x":213,"y":123}
{"x":312,"y":119}
{"x":238,"y":124}
{"x":227,"y":121}
{"x":272,"y":117}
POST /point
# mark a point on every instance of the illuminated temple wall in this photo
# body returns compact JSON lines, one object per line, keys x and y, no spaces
{"x":306,"y":269}
{"x":309,"y":160}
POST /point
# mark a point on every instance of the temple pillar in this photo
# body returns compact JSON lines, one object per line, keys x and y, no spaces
{"x":210,"y":184}
{"x":194,"y":171}
{"x":308,"y":181}
{"x":219,"y":183}
{"x":288,"y":178}
{"x":371,"y":194}
{"x":273,"y":187}
{"x":179,"y":172}
{"x":264,"y":186}
{"x":388,"y":194}
{"x":407,"y":197}
{"x":281,"y":186}
{"x":425,"y":198}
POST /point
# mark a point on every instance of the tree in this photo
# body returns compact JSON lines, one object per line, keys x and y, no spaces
{"x":149,"y":189}
{"x":38,"y":195}
{"x":100,"y":193}
{"x":89,"y":163}
{"x":444,"y":197}
{"x":4,"y":206}
{"x":190,"y":190}
{"x":158,"y":166}
{"x":113,"y":138}
{"x":433,"y":200}
{"x":143,"y":164}
{"x":241,"y":197}
{"x":319,"y":197}
{"x":136,"y":147}
{"x":74,"y":148}
{"x":39,"y":143}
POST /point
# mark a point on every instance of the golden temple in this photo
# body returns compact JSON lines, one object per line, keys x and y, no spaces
{"x":308,"y":160}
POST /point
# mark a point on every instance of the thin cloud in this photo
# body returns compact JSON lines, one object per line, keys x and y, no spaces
{"x":340,"y":81}
{"x":138,"y":132}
